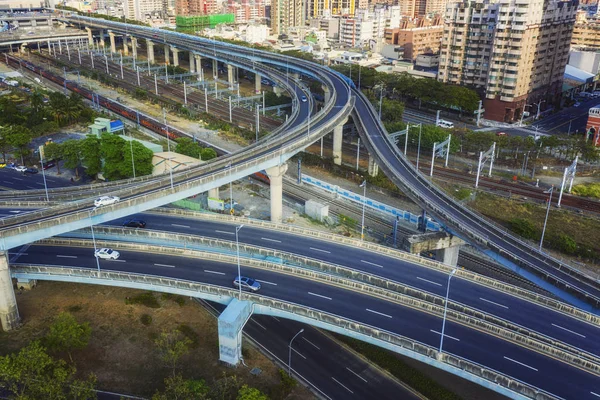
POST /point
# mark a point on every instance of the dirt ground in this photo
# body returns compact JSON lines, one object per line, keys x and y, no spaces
{"x":122,"y":352}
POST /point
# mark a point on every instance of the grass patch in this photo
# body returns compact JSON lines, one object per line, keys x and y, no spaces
{"x":407,"y":374}
{"x":189,"y":333}
{"x":587,"y":190}
{"x":462,"y":194}
{"x":145,"y":299}
{"x":146,"y":319}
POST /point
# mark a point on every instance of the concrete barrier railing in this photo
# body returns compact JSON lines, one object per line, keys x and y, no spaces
{"x":400,"y":344}
{"x":374,"y":286}
{"x":545,"y":301}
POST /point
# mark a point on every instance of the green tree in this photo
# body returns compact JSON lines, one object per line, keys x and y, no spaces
{"x":53,"y":151}
{"x":5,"y":145}
{"x":66,"y":334}
{"x":19,"y":138}
{"x":188,"y":147}
{"x":90,"y":155}
{"x":33,"y":374}
{"x":250,"y":393}
{"x":71,"y":152}
{"x":177,"y":388}
{"x":171,"y":347}
{"x":111,"y":147}
{"x":57,"y":107}
{"x":208,"y":154}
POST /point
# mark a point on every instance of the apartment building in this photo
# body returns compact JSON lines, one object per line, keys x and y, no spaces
{"x":327,"y":8}
{"x":194,"y":7}
{"x":246,"y":10}
{"x":513,"y":51}
{"x":416,"y":41}
{"x":586,"y":32}
{"x":419,"y":8}
{"x":144,"y":10}
{"x":284,"y":14}
{"x":368,"y":25}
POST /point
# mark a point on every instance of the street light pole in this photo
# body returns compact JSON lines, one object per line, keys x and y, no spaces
{"x":362,"y":228}
{"x":44,"y":175}
{"x":237,"y":243}
{"x":547,"y":212}
{"x":230,"y":190}
{"x":419,"y":145}
{"x":290,"y":351}
{"x":168,"y":145}
{"x":94,"y":239}
{"x":380,"y":100}
{"x":446,"y":309}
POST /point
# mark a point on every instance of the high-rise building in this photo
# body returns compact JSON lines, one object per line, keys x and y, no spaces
{"x":143,"y":10}
{"x":586,"y":32}
{"x":513,"y":51}
{"x":246,"y":11}
{"x":416,"y":41}
{"x":326,"y":8}
{"x":195,"y":7}
{"x":284,"y":14}
{"x":419,"y":8}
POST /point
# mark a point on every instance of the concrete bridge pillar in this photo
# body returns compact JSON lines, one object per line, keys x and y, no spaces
{"x":337,"y":143}
{"x":213,"y":193}
{"x":198,"y":58}
{"x":125,"y":46}
{"x":134,"y":44}
{"x":113,"y":46}
{"x":9,"y":313}
{"x":192,"y":67}
{"x":150,"y":50}
{"x":257,"y":83}
{"x":167,"y":55}
{"x":175,"y":56}
{"x":295,"y":75}
{"x":449,"y":255}
{"x":231,"y":75}
{"x":277,"y":90}
{"x":90,"y":36}
{"x":230,"y":325}
{"x":326,"y":94}
{"x":215,"y":68}
{"x":445,"y":246}
{"x":276,"y":177}
{"x":102,"y":42}
{"x":373,"y":167}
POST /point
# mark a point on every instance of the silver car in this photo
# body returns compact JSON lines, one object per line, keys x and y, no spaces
{"x":247,"y":283}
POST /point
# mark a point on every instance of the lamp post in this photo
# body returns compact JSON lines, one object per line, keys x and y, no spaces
{"x":380,"y":100}
{"x":230,"y":190}
{"x":290,"y":351}
{"x":362,"y":228}
{"x":44,"y":175}
{"x":94,"y":239}
{"x":237,"y":244}
{"x":547,"y":212}
{"x":446,"y":309}
{"x":523,"y":114}
{"x":539,"y":104}
{"x":419,"y":145}
{"x":133,"y":162}
{"x":168,"y":145}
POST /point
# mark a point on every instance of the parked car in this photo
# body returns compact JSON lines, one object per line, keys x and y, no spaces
{"x":21,"y":168}
{"x":106,"y":201}
{"x":11,"y":165}
{"x":2,"y":165}
{"x":107,"y":254}
{"x":577,"y":104}
{"x":501,"y":134}
{"x":31,"y":171}
{"x":49,"y":164}
{"x":247,"y":283}
{"x":134,"y":223}
{"x":303,"y":99}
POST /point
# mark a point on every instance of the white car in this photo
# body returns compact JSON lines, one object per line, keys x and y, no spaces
{"x":21,"y":168}
{"x":107,"y":254}
{"x":106,"y":200}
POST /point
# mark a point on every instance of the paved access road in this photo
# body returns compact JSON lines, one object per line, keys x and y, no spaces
{"x":571,"y":119}
{"x":536,"y":369}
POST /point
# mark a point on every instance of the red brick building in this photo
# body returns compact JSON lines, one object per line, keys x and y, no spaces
{"x":593,"y":125}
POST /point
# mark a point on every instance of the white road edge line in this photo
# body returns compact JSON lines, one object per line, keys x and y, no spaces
{"x":377,"y":312}
{"x":271,"y":240}
{"x":494,"y":303}
{"x":427,"y":280}
{"x":267,"y":282}
{"x":448,"y":336}
{"x":319,"y":295}
{"x":321,"y":250}
{"x":225,"y":232}
{"x":568,"y":330}
{"x":342,"y":385}
{"x":595,"y":394}
{"x":314,"y":345}
{"x":258,"y":324}
{"x":180,"y":226}
{"x":297,"y":352}
{"x":61,"y":256}
{"x":360,"y":377}
{"x":214,"y":272}
{"x":520,"y":363}
{"x":118,"y":260}
{"x":373,"y":264}
{"x":275,"y":318}
{"x":165,"y":265}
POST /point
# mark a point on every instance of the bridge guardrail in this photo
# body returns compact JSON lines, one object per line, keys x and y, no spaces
{"x":548,"y":302}
{"x":397,"y":343}
{"x":374,"y":286}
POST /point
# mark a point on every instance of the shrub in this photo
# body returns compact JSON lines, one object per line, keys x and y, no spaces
{"x":146,"y":299}
{"x":523,"y":227}
{"x":287,"y":382}
{"x":146,"y":319}
{"x":564,"y":243}
{"x":74,"y":308}
{"x":190,"y":334}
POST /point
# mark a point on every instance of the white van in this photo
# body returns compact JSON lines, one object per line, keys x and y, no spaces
{"x":445,"y":124}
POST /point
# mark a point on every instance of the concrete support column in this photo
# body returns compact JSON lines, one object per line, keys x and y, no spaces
{"x":277,"y":90}
{"x":449,"y":255}
{"x":192,"y":68}
{"x":134,"y":44}
{"x":215,"y":68}
{"x":230,"y":75}
{"x":167,"y":55}
{"x":213,"y":193}
{"x":102,"y":43}
{"x":276,"y":177}
{"x":9,"y":314}
{"x":373,"y":167}
{"x":337,"y":144}
{"x":113,"y":46}
{"x":230,"y":324}
{"x":175,"y":56}
{"x":90,"y":36}
{"x":150,"y":51}
{"x":295,"y":75}
{"x":257,"y":83}
{"x":326,"y":94}
{"x":125,"y":46}
{"x":198,"y":66}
